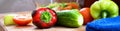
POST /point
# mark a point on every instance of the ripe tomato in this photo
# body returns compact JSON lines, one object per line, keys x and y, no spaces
{"x":86,"y":15}
{"x":22,"y":20}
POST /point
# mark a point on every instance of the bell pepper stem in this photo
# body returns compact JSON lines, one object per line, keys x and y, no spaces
{"x":46,"y":17}
{"x":104,"y":0}
{"x":104,"y":14}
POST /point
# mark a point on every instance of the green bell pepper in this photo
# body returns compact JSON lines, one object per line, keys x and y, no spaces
{"x":104,"y":9}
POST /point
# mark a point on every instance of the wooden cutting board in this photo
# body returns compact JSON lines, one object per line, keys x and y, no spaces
{"x":31,"y":27}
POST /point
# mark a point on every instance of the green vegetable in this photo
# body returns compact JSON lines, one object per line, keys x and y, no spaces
{"x":69,"y":18}
{"x":56,"y":6}
{"x":53,"y":5}
{"x":8,"y":19}
{"x":63,"y":6}
{"x":104,"y":9}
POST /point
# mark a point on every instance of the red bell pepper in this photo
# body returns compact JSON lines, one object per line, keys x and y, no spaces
{"x":44,"y":17}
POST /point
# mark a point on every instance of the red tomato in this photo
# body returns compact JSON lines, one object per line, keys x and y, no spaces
{"x":86,"y":14}
{"x":22,"y":20}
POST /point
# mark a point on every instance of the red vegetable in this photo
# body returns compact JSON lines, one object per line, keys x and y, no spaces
{"x":86,"y":15}
{"x":22,"y":20}
{"x":44,"y":17}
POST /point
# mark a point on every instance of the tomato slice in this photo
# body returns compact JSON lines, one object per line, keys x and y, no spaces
{"x":22,"y":19}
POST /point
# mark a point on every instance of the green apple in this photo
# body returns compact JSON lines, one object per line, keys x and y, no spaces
{"x":104,"y":9}
{"x":8,"y":19}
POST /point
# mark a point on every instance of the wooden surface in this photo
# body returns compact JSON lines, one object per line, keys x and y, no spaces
{"x":31,"y":27}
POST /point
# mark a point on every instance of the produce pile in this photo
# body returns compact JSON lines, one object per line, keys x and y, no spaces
{"x":65,"y":14}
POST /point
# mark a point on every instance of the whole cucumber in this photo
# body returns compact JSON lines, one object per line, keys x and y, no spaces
{"x":70,"y":18}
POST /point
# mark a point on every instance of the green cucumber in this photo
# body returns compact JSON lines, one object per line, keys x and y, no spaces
{"x":69,"y":18}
